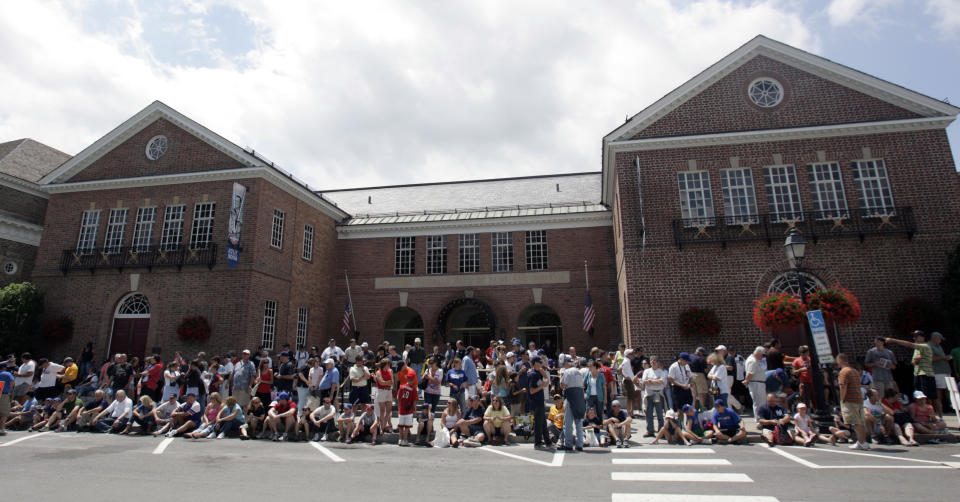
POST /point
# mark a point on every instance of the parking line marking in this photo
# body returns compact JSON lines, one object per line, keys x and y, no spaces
{"x":671,"y":461}
{"x":807,"y":463}
{"x":668,"y":451}
{"x":15,"y":441}
{"x":331,"y":455}
{"x":557,"y":457}
{"x":713,"y":477}
{"x":162,"y":446}
{"x":779,"y":451}
{"x":876,"y":455}
{"x":671,"y":497}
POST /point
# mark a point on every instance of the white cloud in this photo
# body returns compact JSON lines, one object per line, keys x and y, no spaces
{"x":865,"y":14}
{"x":351,"y":94}
{"x":946,"y":14}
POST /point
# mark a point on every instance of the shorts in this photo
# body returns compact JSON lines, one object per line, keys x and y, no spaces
{"x":941,"y":379}
{"x":405,"y":421}
{"x":853,"y":413}
{"x":881,"y":386}
{"x":927,"y":384}
{"x":698,"y":384}
{"x":21,"y":389}
{"x":242,"y":396}
{"x":730,"y":432}
{"x":384,"y":396}
{"x":4,"y":405}
{"x":629,"y":389}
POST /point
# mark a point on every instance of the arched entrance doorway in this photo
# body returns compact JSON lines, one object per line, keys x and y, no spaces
{"x":402,"y":326}
{"x":469,"y":320}
{"x":792,"y":338}
{"x":539,"y":323}
{"x":130,"y":324}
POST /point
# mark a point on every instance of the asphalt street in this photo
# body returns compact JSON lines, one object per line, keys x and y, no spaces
{"x":101,"y":467}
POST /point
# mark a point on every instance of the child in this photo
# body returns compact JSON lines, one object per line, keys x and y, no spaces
{"x":841,"y":431}
{"x":425,"y":425}
{"x":406,"y":402}
{"x":671,"y":431}
{"x":695,"y":431}
{"x":803,"y":425}
{"x":345,"y":422}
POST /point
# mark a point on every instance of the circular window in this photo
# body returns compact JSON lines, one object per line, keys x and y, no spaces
{"x":10,"y":268}
{"x":156,"y":147}
{"x":765,"y":92}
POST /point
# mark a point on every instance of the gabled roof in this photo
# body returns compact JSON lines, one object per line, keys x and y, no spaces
{"x":464,"y":197}
{"x":29,"y":160}
{"x":156,"y":110}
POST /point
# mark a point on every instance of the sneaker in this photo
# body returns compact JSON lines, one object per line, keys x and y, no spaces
{"x":284,"y":437}
{"x":212,"y":435}
{"x":349,"y":441}
{"x":276,"y":437}
{"x":324,"y":438}
{"x":626,"y":443}
{"x":221,"y":435}
{"x":619,"y":443}
{"x":579,"y":448}
{"x":316,"y":437}
{"x":856,"y":446}
{"x":62,"y":428}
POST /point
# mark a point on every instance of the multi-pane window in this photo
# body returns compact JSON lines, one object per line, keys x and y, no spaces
{"x":696,"y":202}
{"x":307,"y":242}
{"x":269,"y":324}
{"x":276,"y":235}
{"x":826,"y":187}
{"x":536,"y":246}
{"x":436,"y":254}
{"x":739,"y":198}
{"x":143,"y":229}
{"x":783,"y":195}
{"x":89,"y":224}
{"x":116,"y":225}
{"x":202,"y":232}
{"x":469,"y":253}
{"x":403,"y":261}
{"x":172,"y":234}
{"x":875,"y":195}
{"x":302,"y":316}
{"x":502,"y":247}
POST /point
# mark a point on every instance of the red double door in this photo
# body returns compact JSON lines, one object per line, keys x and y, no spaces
{"x":130,"y":336}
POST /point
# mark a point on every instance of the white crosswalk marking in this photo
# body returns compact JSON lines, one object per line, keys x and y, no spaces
{"x":666,"y":451}
{"x":701,"y":477}
{"x":671,"y":461}
{"x":672,"y":497}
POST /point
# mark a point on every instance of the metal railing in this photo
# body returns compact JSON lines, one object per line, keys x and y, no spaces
{"x":815,"y":225}
{"x":141,"y":257}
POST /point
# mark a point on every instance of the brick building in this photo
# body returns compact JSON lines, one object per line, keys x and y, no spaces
{"x":691,"y":208}
{"x":706,"y":182}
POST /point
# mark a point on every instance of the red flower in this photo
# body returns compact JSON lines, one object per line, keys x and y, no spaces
{"x":696,"y":321}
{"x":778,"y":311}
{"x":195,"y":328}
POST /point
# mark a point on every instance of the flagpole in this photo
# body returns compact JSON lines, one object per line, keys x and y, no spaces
{"x":586,"y":274}
{"x":353,"y":309}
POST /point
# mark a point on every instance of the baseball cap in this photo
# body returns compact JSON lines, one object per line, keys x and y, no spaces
{"x":918,"y":394}
{"x":760,"y":349}
{"x":936,"y":336}
{"x":246,"y":351}
{"x":536,"y":359}
{"x":424,"y":406}
{"x":615,"y":403}
{"x":628,"y":352}
{"x":283,"y":395}
{"x":416,"y":340}
{"x":700,"y":349}
{"x":511,"y":354}
{"x":364,"y":344}
{"x":684,"y":356}
{"x":3,"y":365}
{"x":719,"y":402}
{"x":347,"y":406}
{"x":720,"y":347}
{"x":332,"y":341}
{"x":687,"y":408}
{"x":314,"y":347}
{"x":801,"y":405}
{"x":671,"y":414}
{"x":329,"y":361}
{"x":516,"y":341}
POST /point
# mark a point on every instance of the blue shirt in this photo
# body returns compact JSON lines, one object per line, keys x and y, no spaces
{"x":470,"y":369}
{"x":29,"y":404}
{"x":456,"y":377}
{"x":534,"y":399}
{"x":7,"y":378}
{"x":330,"y":379}
{"x":726,"y":420}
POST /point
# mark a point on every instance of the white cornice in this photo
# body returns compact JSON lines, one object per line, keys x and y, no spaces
{"x":271,"y":175}
{"x":18,"y":230}
{"x":540,"y":222}
{"x":22,"y":185}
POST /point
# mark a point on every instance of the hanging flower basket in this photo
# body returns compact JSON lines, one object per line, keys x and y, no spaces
{"x":696,"y":321}
{"x":838,"y":305}
{"x":194,"y":329}
{"x":777,"y":311}
{"x":58,"y":329}
{"x":914,"y":313}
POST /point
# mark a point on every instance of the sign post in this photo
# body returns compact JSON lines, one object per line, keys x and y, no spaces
{"x":821,"y":342}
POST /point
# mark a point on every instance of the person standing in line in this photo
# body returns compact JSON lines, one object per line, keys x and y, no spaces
{"x":628,"y":380}
{"x":881,"y":362}
{"x":851,"y":401}
{"x":679,"y":377}
{"x":654,"y":380}
{"x":470,"y":371}
{"x":718,"y":375}
{"x":384,"y":379}
{"x":924,"y":378}
{"x":571,"y":382}
{"x":756,"y":378}
{"x":802,"y":369}
{"x":699,"y":384}
{"x":24,"y":377}
{"x":244,"y":373}
{"x":301,"y":356}
{"x":359,"y":383}
{"x":941,"y":370}
{"x":416,"y":356}
{"x":537,"y":380}
{"x":6,"y":393}
{"x":330,"y":382}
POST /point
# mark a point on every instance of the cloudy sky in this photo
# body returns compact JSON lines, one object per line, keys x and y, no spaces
{"x":362,"y":93}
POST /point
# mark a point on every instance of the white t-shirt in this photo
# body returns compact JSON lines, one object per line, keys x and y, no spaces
{"x":802,"y":422}
{"x":27,"y":367}
{"x":653,"y":374}
{"x":324,"y":412}
{"x":49,"y":376}
{"x":680,"y":373}
{"x":316,"y":374}
{"x":334,"y":352}
{"x":120,"y":409}
{"x":626,"y":369}
{"x":721,"y":372}
{"x":873,"y":409}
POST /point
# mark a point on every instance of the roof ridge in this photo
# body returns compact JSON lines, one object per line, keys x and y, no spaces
{"x":461,"y":182}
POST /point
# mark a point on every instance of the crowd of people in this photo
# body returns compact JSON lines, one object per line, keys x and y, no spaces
{"x":560,"y":400}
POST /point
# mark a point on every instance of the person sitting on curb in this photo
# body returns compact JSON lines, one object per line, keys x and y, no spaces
{"x":902,"y":425}
{"x":256,"y":420}
{"x":840,"y":431}
{"x":671,"y":430}
{"x":283,"y":413}
{"x":727,"y":425}
{"x":143,"y":416}
{"x":694,"y":431}
{"x":115,"y":417}
{"x":618,"y":425}
{"x":772,"y":417}
{"x":163,"y":413}
{"x":186,"y":418}
{"x":425,"y":425}
{"x":497,"y":422}
{"x":804,"y":428}
{"x":345,"y":423}
{"x":555,"y":419}
{"x":322,"y":420}
{"x":471,"y":425}
{"x":366,"y":427}
{"x":925,"y":419}
{"x":87,"y":417}
{"x":230,"y":417}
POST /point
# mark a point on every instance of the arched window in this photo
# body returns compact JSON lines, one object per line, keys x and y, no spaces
{"x":788,"y":282}
{"x":135,"y":305}
{"x":539,"y":323}
{"x":403,"y":326}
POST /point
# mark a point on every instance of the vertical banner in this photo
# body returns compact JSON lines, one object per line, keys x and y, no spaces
{"x":236,"y":224}
{"x":819,"y":330}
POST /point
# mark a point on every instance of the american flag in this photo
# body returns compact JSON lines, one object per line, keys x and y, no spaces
{"x":347,"y":313}
{"x":589,"y":314}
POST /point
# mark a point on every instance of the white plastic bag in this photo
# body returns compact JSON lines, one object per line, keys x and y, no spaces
{"x":442,"y":438}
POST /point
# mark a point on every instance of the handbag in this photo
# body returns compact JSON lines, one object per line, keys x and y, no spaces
{"x":423,"y":383}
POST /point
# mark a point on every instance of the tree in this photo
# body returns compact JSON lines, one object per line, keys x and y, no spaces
{"x":20,"y":305}
{"x":950,"y":292}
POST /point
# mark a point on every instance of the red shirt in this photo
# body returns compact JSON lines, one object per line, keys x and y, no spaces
{"x":153,"y":376}
{"x":279,"y":407}
{"x":264,"y":387}
{"x":407,"y":376}
{"x":386,"y":375}
{"x":406,"y":400}
{"x":803,"y":362}
{"x":607,"y":375}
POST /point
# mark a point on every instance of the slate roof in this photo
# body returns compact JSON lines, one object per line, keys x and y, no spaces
{"x":29,"y":160}
{"x":461,"y":200}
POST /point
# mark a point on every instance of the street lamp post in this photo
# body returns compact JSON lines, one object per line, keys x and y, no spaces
{"x":795,"y":247}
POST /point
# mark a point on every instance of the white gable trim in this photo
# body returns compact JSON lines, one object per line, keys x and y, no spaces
{"x":17,"y":230}
{"x":760,"y":45}
{"x":273,"y":176}
{"x":22,"y":185}
{"x":485,"y":225}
